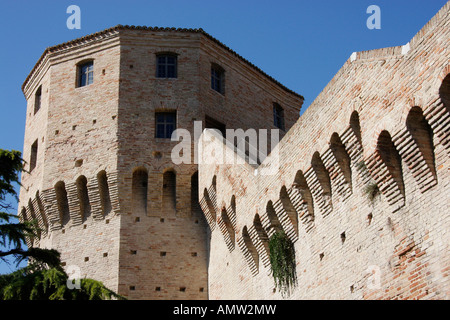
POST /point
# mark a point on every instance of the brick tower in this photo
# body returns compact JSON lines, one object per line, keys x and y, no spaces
{"x":101,"y":181}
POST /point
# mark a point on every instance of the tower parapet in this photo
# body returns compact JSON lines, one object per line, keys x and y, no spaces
{"x":101,"y":180}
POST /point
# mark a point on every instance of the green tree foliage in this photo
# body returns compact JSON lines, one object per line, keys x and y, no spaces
{"x":43,"y":278}
{"x":35,"y":283}
{"x":11,"y":165}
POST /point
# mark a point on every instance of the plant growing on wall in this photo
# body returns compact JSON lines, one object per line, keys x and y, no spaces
{"x":372,"y":191}
{"x":282,"y":262}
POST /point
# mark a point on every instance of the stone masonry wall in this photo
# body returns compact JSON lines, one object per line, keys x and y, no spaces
{"x":361,"y":186}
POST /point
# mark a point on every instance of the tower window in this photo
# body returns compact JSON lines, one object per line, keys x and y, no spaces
{"x":211,"y":123}
{"x":166,"y":66}
{"x":86,"y":74}
{"x":165,"y":124}
{"x":37,"y":99}
{"x":278,"y":116}
{"x":218,"y":79}
{"x":33,"y":157}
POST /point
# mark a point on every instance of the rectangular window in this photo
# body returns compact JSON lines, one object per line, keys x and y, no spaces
{"x":37,"y":99}
{"x":217,"y":79}
{"x":165,"y":124}
{"x":166,"y":66}
{"x":86,"y":74}
{"x":211,"y":123}
{"x":278,"y":116}
{"x":33,"y":156}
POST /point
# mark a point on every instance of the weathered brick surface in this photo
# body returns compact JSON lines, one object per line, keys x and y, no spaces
{"x":98,"y":189}
{"x":390,"y":109}
{"x":99,"y":174}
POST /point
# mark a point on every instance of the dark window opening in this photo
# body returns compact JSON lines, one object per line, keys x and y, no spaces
{"x":165,"y":124}
{"x":218,"y":79}
{"x":278,"y":116}
{"x":86,"y":74}
{"x":195,"y":205}
{"x":37,"y":99}
{"x":166,"y":66}
{"x":33,"y":157}
{"x":211,"y":123}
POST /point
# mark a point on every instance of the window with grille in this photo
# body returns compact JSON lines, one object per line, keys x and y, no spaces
{"x":86,"y":74}
{"x":166,"y":66}
{"x":165,"y":124}
{"x":218,"y":79}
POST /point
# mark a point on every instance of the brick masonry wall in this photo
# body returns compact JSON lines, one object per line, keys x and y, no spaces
{"x":382,"y":122}
{"x":165,"y":254}
{"x":98,"y":190}
{"x":76,"y":129}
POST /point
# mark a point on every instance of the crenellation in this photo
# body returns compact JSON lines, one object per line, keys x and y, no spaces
{"x":261,"y":241}
{"x":248,"y":250}
{"x":208,"y":209}
{"x":41,"y":215}
{"x":226,"y":228}
{"x":231,"y":212}
{"x":95,"y":199}
{"x":289,"y":226}
{"x":380,"y":182}
{"x":359,"y":183}
{"x":110,"y":189}
{"x":105,"y":173}
{"x":302,"y":203}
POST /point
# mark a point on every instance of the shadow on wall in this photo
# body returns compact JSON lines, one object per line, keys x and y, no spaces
{"x":411,"y":148}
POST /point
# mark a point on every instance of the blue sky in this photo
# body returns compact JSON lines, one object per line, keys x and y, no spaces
{"x":300,"y":43}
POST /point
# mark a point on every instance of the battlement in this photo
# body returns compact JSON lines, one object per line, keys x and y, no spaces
{"x":86,"y":210}
{"x":100,"y":178}
{"x":359,"y":183}
{"x":362,"y":185}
